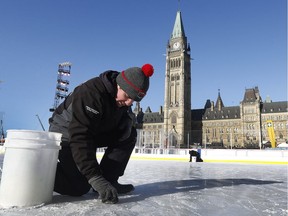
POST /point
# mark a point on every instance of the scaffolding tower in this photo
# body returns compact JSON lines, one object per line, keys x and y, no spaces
{"x":62,"y":84}
{"x":2,"y":134}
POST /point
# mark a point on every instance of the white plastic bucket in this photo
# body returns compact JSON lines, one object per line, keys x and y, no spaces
{"x":29,"y":167}
{"x":194,"y":159}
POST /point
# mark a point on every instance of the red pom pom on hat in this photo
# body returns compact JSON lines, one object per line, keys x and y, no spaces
{"x":148,"y":70}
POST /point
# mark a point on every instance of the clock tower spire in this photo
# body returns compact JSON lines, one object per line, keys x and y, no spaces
{"x":177,"y":101}
{"x":178,"y":30}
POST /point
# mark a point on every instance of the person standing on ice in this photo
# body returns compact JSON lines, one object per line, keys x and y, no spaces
{"x":98,"y":114}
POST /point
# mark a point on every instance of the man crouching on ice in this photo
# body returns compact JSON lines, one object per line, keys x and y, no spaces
{"x":98,"y":114}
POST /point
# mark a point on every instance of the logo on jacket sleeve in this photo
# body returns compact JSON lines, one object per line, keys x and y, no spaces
{"x":92,"y":110}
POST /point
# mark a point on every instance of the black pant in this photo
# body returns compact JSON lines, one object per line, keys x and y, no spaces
{"x":69,"y":180}
{"x":195,"y":154}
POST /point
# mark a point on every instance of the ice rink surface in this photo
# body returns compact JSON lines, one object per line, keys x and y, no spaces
{"x":181,"y":188}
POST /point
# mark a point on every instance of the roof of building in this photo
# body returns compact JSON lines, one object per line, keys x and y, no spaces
{"x":218,"y":111}
{"x":251,"y":95}
{"x":153,"y":117}
{"x":275,"y":107}
{"x":150,"y":117}
{"x":232,"y":112}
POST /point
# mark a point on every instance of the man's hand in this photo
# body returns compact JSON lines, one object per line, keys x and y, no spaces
{"x":106,"y":191}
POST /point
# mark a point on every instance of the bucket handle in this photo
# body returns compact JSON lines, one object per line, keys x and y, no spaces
{"x":29,"y":145}
{"x":32,"y":146}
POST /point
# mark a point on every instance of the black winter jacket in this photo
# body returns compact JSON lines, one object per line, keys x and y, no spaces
{"x":89,"y":114}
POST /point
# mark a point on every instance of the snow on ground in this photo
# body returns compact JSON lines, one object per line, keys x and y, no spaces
{"x":173,"y":188}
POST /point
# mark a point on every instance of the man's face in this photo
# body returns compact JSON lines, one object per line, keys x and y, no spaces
{"x":122,"y":99}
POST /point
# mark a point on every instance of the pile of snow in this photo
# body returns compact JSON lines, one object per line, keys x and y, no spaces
{"x":283,"y":145}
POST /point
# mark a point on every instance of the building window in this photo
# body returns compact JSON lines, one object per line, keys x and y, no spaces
{"x":173,"y":120}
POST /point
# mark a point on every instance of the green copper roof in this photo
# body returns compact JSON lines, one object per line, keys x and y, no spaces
{"x":178,"y":30}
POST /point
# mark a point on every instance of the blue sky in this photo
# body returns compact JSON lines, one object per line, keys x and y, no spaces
{"x":235,"y":44}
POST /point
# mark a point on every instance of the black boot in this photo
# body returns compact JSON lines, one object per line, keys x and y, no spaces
{"x":123,"y":188}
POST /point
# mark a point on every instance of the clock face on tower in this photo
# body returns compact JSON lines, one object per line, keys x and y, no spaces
{"x":176,"y":45}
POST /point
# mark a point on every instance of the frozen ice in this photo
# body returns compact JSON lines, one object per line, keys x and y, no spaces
{"x":181,"y":188}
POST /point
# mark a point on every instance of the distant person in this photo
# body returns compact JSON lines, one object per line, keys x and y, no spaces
{"x":196,"y":154}
{"x":98,"y":114}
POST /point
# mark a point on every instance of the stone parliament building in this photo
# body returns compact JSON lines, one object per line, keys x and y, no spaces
{"x":175,"y":125}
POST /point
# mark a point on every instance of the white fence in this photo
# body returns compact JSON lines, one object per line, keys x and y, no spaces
{"x":269,"y":156}
{"x":277,"y":156}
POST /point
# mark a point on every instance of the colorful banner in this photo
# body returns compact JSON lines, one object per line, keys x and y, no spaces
{"x":271,"y":133}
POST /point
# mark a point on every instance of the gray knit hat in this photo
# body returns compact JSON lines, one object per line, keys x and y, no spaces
{"x":135,"y":81}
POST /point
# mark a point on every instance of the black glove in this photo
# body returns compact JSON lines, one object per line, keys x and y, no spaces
{"x":106,"y":191}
